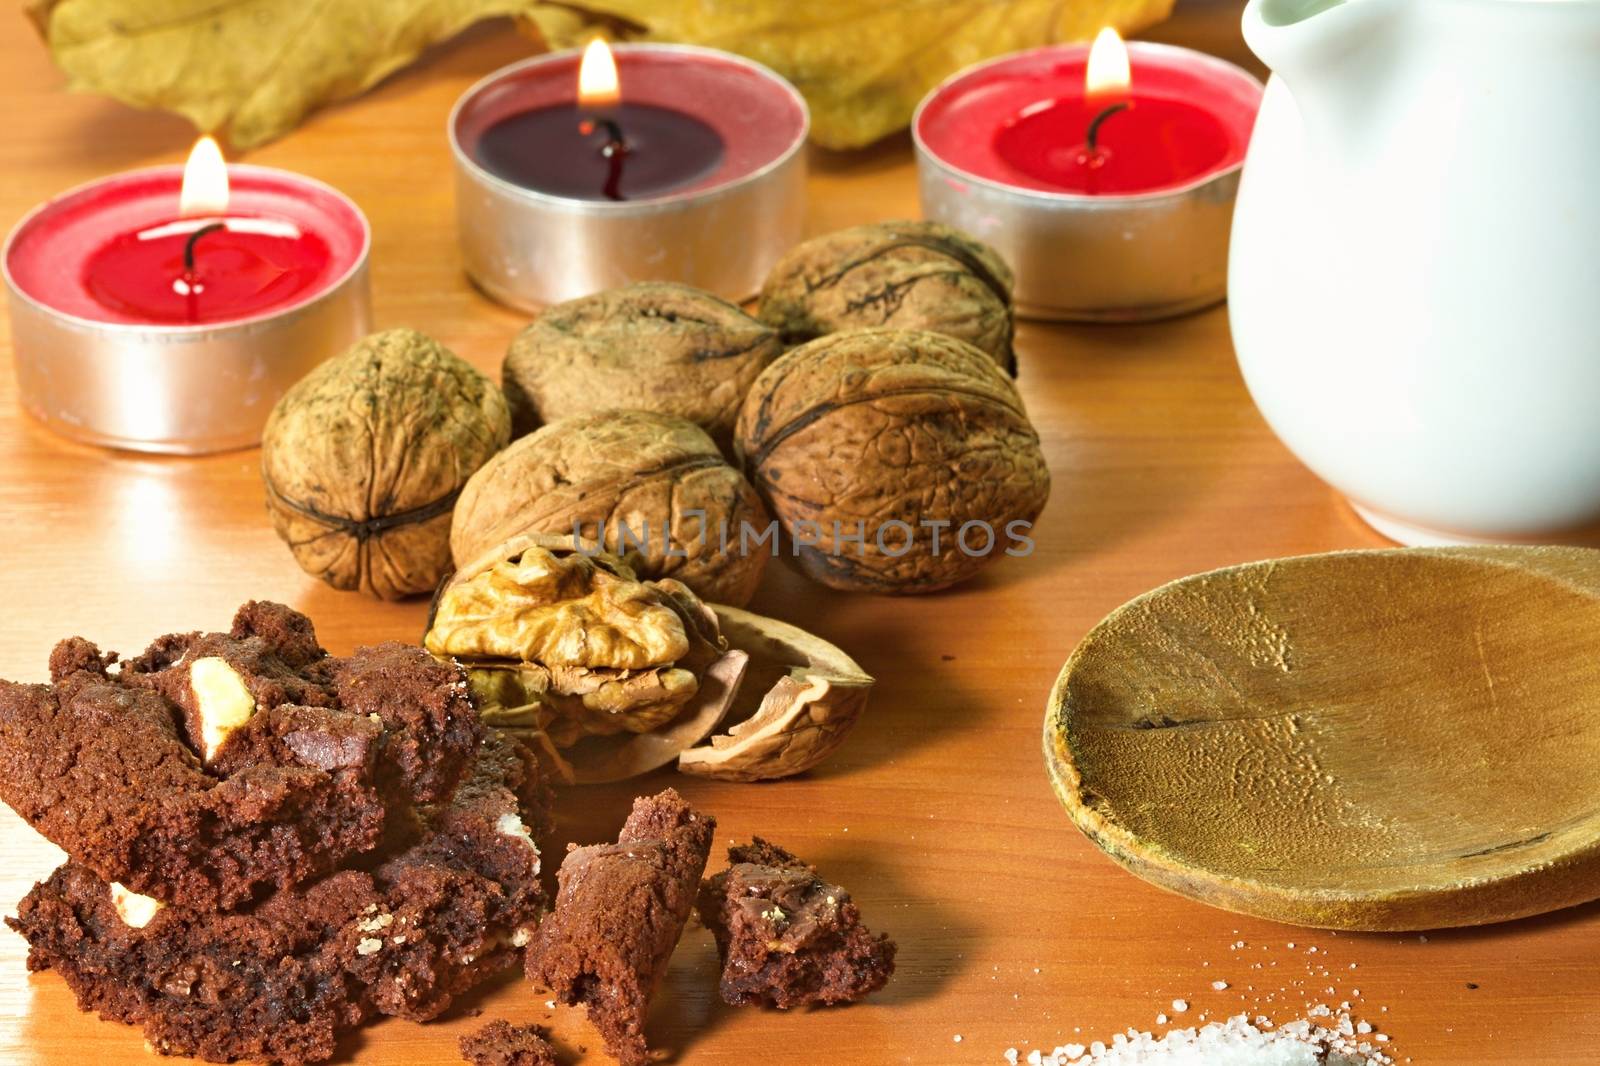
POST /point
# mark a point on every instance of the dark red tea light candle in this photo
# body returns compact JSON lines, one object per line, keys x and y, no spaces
{"x":580,"y":172}
{"x":1106,"y":175}
{"x":156,"y":313}
{"x":599,"y":146}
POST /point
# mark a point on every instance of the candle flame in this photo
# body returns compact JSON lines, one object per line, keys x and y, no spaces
{"x":205,"y":181}
{"x":598,"y":85}
{"x":1108,"y":74}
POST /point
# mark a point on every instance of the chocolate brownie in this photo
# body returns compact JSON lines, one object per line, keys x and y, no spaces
{"x":470,"y":885}
{"x":271,"y":648}
{"x":215,"y":766}
{"x":619,"y":912}
{"x":429,"y":725}
{"x":281,"y":980}
{"x":502,"y":1044}
{"x":100,"y":768}
{"x":260,"y":985}
{"x":430,"y":730}
{"x":787,"y":937}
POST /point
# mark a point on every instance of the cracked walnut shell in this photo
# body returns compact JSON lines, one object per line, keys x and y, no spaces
{"x":654,"y":346}
{"x":608,"y":675}
{"x":900,"y":275}
{"x":799,"y":698}
{"x":896,"y":460}
{"x":650,"y":486}
{"x":364,"y":457}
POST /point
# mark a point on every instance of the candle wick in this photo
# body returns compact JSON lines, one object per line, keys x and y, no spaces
{"x":194,"y":238}
{"x":1092,"y":138}
{"x":613,"y":151}
{"x":616,"y":144}
{"x":613,"y":186}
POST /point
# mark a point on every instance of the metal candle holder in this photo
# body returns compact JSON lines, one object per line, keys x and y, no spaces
{"x":174,"y":388}
{"x":529,"y":249}
{"x":1106,"y":258}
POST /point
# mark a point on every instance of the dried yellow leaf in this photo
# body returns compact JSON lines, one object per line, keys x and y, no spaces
{"x":861,"y":64}
{"x":256,"y":67}
{"x":252,"y":67}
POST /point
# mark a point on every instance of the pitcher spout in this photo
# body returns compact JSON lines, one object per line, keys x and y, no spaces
{"x":1334,"y":55}
{"x":1293,"y":36}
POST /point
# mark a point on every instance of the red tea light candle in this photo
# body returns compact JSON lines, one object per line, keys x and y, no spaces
{"x":1106,"y":175}
{"x":580,"y":172}
{"x":167,"y":309}
{"x":206,"y":265}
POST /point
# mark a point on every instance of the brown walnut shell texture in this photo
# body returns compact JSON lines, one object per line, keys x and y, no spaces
{"x":364,"y":457}
{"x":654,"y":346}
{"x":900,"y":275}
{"x":869,"y":427}
{"x":638,"y":468}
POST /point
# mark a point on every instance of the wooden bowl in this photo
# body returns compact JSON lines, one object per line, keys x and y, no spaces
{"x":1376,"y":740}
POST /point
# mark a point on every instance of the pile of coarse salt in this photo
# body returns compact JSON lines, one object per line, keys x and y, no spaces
{"x":1235,"y":1042}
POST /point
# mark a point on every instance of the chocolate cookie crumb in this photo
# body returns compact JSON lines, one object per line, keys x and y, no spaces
{"x":502,"y":1044}
{"x":788,"y":938}
{"x":619,"y":912}
{"x":430,"y":727}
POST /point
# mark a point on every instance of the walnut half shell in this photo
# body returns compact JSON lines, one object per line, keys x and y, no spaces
{"x":810,"y":694}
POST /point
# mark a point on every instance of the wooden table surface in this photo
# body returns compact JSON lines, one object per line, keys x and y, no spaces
{"x":1014,"y":931}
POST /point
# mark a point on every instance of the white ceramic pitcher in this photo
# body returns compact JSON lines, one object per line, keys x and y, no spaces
{"x":1414,"y":282}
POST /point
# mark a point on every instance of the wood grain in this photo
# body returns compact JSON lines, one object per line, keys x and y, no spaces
{"x":1216,"y":736}
{"x":938,"y":813}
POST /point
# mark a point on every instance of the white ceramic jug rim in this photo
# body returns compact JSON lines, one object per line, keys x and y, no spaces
{"x":1263,"y":10}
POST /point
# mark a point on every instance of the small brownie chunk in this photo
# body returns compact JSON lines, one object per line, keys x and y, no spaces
{"x":215,"y":766}
{"x":281,"y":980}
{"x":502,"y":1044}
{"x":788,"y":938}
{"x":619,"y":912}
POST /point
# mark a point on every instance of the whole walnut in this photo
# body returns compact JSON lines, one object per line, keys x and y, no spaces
{"x":896,"y":460}
{"x":364,"y":457}
{"x":644,"y":485}
{"x":654,"y":346}
{"x":901,"y":275}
